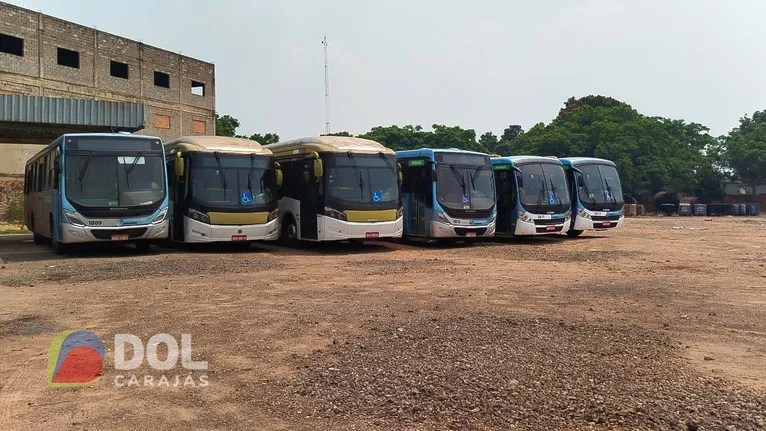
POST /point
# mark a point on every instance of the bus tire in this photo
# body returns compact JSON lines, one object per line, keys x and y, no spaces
{"x":289,"y":234}
{"x":573,"y":233}
{"x":58,"y":247}
{"x":143,"y":245}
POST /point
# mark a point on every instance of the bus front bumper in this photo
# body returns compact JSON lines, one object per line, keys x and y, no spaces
{"x":524,"y":228}
{"x":331,"y":229}
{"x":198,"y":232}
{"x":582,"y":223}
{"x":444,"y":230}
{"x":79,"y":234}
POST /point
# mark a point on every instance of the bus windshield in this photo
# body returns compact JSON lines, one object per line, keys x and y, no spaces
{"x":599,"y":187}
{"x":96,"y":179}
{"x":464,"y":187}
{"x":232,"y":180}
{"x":543,"y":188}
{"x":362,"y":178}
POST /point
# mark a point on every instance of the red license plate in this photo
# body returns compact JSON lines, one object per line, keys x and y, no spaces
{"x":239,"y":237}
{"x":550,"y":228}
{"x":372,"y":235}
{"x":606,"y":224}
{"x":123,"y":237}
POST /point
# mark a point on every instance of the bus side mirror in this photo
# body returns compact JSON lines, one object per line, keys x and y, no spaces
{"x":278,"y":175}
{"x":57,"y":165}
{"x":399,"y":175}
{"x":179,"y":166}
{"x":318,"y":168}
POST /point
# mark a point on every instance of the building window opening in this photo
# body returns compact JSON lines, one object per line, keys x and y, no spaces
{"x":68,"y":58}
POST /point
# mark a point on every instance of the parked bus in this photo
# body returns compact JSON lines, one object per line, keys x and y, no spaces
{"x":95,"y":187}
{"x":447,"y":194}
{"x":597,"y":201}
{"x":338,"y":188}
{"x":222,"y":189}
{"x":532,"y":196}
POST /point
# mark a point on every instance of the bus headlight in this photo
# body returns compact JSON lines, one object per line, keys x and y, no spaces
{"x":523,"y":216}
{"x":329,"y":212}
{"x":583,"y":214}
{"x":442,"y":217}
{"x":73,"y":219}
{"x":273,"y":215}
{"x":161,"y":216}
{"x":199,"y":216}
{"x":399,"y":212}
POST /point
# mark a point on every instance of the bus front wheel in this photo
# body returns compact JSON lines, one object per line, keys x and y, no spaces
{"x":289,"y":234}
{"x":572,"y":232}
{"x":36,"y":237}
{"x":143,"y":245}
{"x":58,"y":247}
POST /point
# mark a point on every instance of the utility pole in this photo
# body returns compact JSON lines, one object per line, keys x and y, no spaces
{"x":326,"y":90}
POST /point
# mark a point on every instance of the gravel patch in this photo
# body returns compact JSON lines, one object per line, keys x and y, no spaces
{"x":403,"y":267}
{"x":126,"y":268}
{"x":483,"y":372}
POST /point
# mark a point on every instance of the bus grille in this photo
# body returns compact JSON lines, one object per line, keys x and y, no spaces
{"x":546,"y":222}
{"x":461,"y":231}
{"x":133,"y":233}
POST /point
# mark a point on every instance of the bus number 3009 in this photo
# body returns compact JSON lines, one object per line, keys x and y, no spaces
{"x":95,"y":222}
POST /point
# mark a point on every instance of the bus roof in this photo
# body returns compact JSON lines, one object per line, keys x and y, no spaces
{"x":514,"y":160}
{"x":93,"y":135}
{"x":331,"y":144}
{"x":574,"y":161}
{"x":209,"y":144}
{"x":429,"y":152}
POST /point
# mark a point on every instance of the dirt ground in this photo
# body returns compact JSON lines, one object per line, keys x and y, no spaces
{"x":659,"y":325}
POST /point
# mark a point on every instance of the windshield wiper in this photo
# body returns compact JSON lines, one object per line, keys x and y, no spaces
{"x":388,"y":162}
{"x":250,"y":174}
{"x":129,"y":169}
{"x":222,"y":173}
{"x":553,"y":189}
{"x":476,"y":175}
{"x":357,"y":173}
{"x":543,"y":192}
{"x":84,"y":169}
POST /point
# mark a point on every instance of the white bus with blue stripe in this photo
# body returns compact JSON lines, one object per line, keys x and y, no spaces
{"x":597,"y":200}
{"x":532,"y":196}
{"x":97,"y":187}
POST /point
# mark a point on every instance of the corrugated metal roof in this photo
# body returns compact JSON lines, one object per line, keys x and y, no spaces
{"x":78,"y":112}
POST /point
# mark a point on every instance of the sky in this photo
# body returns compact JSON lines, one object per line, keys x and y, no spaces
{"x":483,"y":64}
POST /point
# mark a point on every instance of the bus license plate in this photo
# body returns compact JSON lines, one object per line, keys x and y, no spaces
{"x":606,"y":224}
{"x":239,"y":237}
{"x":550,"y":228}
{"x":372,"y":234}
{"x":471,"y":234}
{"x":123,"y":237}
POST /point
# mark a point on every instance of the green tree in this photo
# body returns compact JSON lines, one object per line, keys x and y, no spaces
{"x":745,"y":150}
{"x":511,"y":133}
{"x":265,"y":139}
{"x":397,"y":138}
{"x":226,"y":125}
{"x":343,"y":133}
{"x":488,"y":141}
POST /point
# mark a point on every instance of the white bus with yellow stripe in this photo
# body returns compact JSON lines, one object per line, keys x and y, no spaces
{"x":338,"y":188}
{"x":222,"y":189}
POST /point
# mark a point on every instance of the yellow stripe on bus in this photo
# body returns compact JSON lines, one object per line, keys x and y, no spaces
{"x":238,"y":218}
{"x":370,"y":216}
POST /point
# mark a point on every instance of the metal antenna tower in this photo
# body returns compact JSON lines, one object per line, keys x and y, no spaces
{"x":326,"y":90}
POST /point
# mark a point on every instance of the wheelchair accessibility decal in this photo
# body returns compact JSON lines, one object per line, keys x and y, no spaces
{"x":552,"y":199}
{"x":608,"y":196}
{"x":246,"y":198}
{"x":377,"y":196}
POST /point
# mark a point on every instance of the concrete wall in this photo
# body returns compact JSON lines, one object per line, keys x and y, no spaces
{"x":38,"y":73}
{"x":14,"y":157}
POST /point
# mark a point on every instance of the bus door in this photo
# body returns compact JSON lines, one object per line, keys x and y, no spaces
{"x":177,"y":204}
{"x":309,"y":200}
{"x":422,"y":192}
{"x":506,"y":202}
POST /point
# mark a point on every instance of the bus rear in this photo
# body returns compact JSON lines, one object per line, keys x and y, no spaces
{"x":104,"y":188}
{"x":447,"y":194}
{"x":533,"y":198}
{"x":596,"y":194}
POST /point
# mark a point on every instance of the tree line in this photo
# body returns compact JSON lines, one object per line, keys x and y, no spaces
{"x":652,"y":153}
